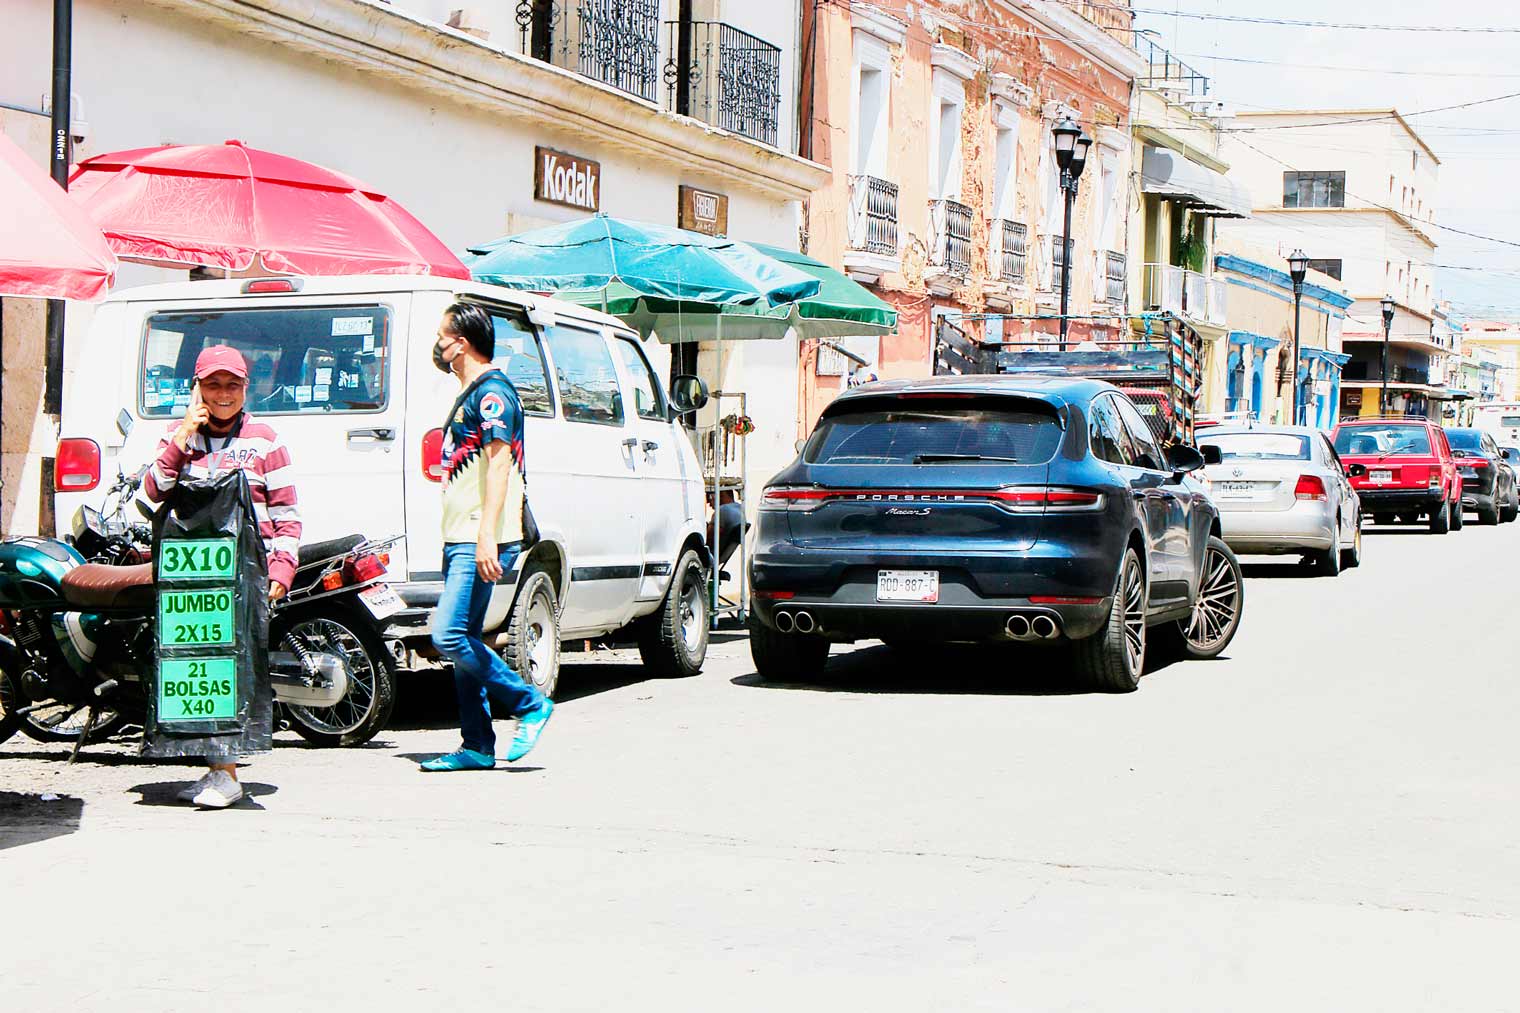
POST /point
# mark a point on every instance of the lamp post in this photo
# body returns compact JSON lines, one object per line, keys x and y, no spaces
{"x":1071,"y":159}
{"x":1388,"y":307}
{"x":1298,"y":267}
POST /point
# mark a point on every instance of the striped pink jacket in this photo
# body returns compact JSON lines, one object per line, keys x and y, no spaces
{"x":258,"y":451}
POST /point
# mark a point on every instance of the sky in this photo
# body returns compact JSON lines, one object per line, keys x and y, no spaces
{"x":1256,"y":66}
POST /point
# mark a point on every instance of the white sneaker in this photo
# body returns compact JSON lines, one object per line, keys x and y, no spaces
{"x":188,"y":793}
{"x":221,"y":791}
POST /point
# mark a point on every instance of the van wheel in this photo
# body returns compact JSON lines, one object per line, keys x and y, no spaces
{"x":786,"y":657}
{"x":673,"y":641}
{"x":1111,"y":659}
{"x":532,"y":647}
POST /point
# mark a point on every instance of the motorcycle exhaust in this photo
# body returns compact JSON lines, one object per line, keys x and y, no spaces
{"x":784,"y":622}
{"x":1017,"y":627}
{"x":293,"y":684}
{"x":1043,"y":627}
{"x":805,"y":622}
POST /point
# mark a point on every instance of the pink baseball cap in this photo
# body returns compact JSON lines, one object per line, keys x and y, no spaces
{"x":220,"y":359}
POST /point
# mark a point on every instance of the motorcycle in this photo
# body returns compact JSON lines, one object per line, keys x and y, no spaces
{"x":76,"y":632}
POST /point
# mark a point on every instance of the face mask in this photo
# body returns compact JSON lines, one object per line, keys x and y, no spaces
{"x":439,"y":361}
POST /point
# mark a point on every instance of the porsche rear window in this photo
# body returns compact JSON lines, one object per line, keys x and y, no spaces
{"x":935,"y":434}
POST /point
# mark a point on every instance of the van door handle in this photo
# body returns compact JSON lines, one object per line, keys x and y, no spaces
{"x":632,"y":443}
{"x":380,"y":435}
{"x":650,"y":446}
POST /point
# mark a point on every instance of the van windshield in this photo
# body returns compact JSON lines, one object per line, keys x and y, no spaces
{"x":300,"y":359}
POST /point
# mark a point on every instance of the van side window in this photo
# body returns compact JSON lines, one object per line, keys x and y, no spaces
{"x":519,"y":355}
{"x":301,"y":359}
{"x":647,"y":403}
{"x":588,"y":385}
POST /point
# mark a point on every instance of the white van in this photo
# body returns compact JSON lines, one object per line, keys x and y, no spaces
{"x":342,"y":367}
{"x":1501,"y":419}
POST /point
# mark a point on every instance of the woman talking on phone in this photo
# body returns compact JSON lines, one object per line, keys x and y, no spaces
{"x":217,"y":435}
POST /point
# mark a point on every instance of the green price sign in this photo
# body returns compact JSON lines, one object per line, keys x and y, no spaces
{"x":197,"y":558}
{"x":196,"y":689}
{"x":193,"y":618}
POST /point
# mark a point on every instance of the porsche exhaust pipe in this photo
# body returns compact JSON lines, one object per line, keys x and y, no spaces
{"x":804,"y":622}
{"x":1017,"y":627}
{"x":784,"y":622}
{"x":1043,"y":627}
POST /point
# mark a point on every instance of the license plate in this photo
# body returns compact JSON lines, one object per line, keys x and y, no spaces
{"x":907,"y":585}
{"x":381,"y":601}
{"x":1380,"y":476}
{"x":1236,"y":490}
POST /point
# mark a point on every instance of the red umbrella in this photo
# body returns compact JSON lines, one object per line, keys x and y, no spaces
{"x":49,"y":248}
{"x":224,"y":205}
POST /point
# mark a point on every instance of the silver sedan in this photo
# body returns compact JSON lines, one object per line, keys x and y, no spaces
{"x":1282,"y":490}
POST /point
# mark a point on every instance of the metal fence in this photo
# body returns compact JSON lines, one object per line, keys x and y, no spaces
{"x":616,"y":42}
{"x":950,"y":225}
{"x":873,"y":215}
{"x":725,"y":77}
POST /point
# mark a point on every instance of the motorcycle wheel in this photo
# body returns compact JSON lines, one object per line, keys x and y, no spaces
{"x":366,"y":708}
{"x":64,"y":722}
{"x":10,"y":721}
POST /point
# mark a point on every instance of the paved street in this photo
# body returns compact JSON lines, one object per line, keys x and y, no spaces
{"x":1325,"y":820}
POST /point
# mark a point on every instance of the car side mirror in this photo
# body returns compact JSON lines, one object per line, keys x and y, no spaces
{"x":1184,"y":459}
{"x":1356,"y":471}
{"x":1505,"y":453}
{"x":1211,"y":454}
{"x":688,"y":394}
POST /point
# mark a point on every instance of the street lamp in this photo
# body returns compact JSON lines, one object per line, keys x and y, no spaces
{"x":1298,"y":266}
{"x":1071,"y":159}
{"x":1388,"y":307}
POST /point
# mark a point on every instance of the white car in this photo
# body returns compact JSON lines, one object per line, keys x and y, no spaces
{"x":1283,"y":490}
{"x":342,"y":367}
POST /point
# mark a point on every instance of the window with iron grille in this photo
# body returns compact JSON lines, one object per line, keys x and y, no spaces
{"x":1314,"y":189}
{"x":1015,"y":251}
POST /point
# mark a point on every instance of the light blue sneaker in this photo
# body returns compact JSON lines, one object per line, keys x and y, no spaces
{"x":463,"y":759}
{"x":529,"y":727}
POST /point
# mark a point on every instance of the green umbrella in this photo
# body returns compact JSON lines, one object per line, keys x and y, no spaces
{"x":841,"y":308}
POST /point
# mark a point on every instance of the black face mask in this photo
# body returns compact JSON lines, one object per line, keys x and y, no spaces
{"x":440,"y":361}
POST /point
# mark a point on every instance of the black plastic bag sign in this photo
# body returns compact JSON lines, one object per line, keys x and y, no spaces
{"x":211,"y":690}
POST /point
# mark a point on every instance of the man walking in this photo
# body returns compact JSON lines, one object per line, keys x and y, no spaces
{"x":484,"y":498}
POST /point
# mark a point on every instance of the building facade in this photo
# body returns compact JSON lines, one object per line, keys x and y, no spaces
{"x":1356,"y":190}
{"x":935,"y":120}
{"x":448,"y":111}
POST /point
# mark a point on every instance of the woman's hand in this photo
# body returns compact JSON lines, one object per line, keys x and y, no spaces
{"x":276,"y":591}
{"x":196,"y":415}
{"x":487,"y":563}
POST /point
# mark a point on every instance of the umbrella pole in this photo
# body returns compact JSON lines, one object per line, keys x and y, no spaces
{"x":52,"y":390}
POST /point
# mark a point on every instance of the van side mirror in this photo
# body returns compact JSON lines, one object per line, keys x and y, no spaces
{"x":688,"y":394}
{"x":1184,"y":459}
{"x":1356,"y":471}
{"x":1211,"y":454}
{"x":124,"y":423}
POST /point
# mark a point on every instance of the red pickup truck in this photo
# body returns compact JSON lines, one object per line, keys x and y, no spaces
{"x":1411,"y":473}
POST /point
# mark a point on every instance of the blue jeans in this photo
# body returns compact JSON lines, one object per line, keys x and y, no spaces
{"x":480,"y":674}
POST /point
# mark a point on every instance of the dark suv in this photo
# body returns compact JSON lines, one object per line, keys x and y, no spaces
{"x":990,"y":508}
{"x":1488,"y":484}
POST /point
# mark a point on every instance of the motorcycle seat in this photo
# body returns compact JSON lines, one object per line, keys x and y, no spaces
{"x":320,"y":552}
{"x":97,"y":586}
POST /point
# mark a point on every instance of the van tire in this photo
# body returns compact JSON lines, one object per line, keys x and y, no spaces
{"x":673,"y":641}
{"x":783,"y":657}
{"x":532,"y":647}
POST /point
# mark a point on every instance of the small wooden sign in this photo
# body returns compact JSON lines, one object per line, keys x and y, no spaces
{"x":570,"y":180}
{"x":703,"y":211}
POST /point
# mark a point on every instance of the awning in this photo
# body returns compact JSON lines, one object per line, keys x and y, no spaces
{"x":1207,"y":192}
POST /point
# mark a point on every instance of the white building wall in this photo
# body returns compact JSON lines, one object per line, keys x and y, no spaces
{"x":466,"y":174}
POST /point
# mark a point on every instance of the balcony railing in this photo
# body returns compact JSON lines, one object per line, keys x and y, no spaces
{"x":1111,"y":277}
{"x":616,"y":42}
{"x":1165,"y":71}
{"x":950,"y":236}
{"x":873,"y":215}
{"x":724,"y":77}
{"x":1185,"y":293}
{"x":1013,"y":254}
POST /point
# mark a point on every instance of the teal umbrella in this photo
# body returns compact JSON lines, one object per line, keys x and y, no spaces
{"x":841,"y":308}
{"x":652,"y":261}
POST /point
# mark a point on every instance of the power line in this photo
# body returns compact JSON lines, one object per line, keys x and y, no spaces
{"x":1297,"y":22}
{"x":1347,"y":70}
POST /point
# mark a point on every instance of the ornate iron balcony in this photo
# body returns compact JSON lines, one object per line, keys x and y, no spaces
{"x":724,"y":77}
{"x":616,"y":42}
{"x":873,"y":215}
{"x":950,"y":229}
